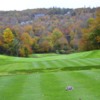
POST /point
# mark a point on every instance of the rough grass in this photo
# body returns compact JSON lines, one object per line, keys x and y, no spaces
{"x":46,"y":76}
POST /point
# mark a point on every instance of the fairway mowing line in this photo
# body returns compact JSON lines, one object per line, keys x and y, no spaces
{"x":93,"y":75}
{"x":36,"y":65}
{"x":51,"y":64}
{"x":17,"y":67}
{"x":81,"y":84}
{"x":66,"y":80}
{"x":57,"y":63}
{"x":62,"y":64}
{"x":94,"y":88}
{"x":95,"y":60}
{"x":46,"y":64}
{"x":41,"y":65}
{"x":5,"y":68}
{"x":51,"y":88}
{"x":88,"y":61}
{"x":13,"y":87}
{"x":72,"y":63}
{"x":67,"y":63}
{"x":11,"y":67}
{"x":32,"y":88}
{"x":4,"y":82}
{"x":84,"y":62}
{"x":79,"y":62}
{"x":54,"y":64}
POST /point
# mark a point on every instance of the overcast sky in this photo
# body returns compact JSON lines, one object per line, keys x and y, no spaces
{"x":30,"y":4}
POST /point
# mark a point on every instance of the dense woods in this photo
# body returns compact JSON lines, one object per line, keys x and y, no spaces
{"x":49,"y":30}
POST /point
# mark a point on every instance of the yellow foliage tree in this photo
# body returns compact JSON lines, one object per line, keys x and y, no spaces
{"x":26,"y":39}
{"x":8,"y":35}
{"x":56,"y":34}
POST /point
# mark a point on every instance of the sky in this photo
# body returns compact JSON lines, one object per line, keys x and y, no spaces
{"x":31,"y":4}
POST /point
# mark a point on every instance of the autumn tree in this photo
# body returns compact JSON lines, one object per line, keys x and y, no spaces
{"x":91,"y":35}
{"x":56,"y":35}
{"x":8,"y":38}
{"x":8,"y":35}
{"x":26,"y":45}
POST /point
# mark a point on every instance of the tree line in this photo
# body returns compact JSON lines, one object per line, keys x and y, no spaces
{"x":59,"y":33}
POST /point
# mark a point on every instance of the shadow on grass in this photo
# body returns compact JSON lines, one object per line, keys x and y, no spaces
{"x":54,"y":69}
{"x":30,"y":71}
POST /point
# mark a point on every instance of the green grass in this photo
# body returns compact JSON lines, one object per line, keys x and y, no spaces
{"x":50,"y":62}
{"x":45,"y":77}
{"x":51,"y":86}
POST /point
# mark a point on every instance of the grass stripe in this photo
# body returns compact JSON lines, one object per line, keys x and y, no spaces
{"x":81,"y":83}
{"x":35,"y":65}
{"x":32,"y":88}
{"x":51,"y":88}
{"x":46,"y":64}
{"x":13,"y":89}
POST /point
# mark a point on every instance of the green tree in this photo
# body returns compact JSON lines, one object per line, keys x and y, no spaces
{"x":91,"y":35}
{"x":56,"y":35}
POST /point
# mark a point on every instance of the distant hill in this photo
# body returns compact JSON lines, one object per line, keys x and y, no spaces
{"x":25,"y":16}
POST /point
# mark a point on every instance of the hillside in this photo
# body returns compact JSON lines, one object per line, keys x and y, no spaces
{"x":28,"y":16}
{"x":53,"y":30}
{"x":50,"y":62}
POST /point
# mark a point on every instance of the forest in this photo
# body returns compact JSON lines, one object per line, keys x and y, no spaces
{"x":57,"y":30}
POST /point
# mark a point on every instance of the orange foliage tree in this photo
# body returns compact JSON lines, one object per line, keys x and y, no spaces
{"x":91,"y":35}
{"x":26,"y":43}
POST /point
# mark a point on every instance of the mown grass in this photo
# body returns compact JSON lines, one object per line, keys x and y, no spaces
{"x":51,"y":86}
{"x":85,"y":60}
{"x":46,"y":76}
